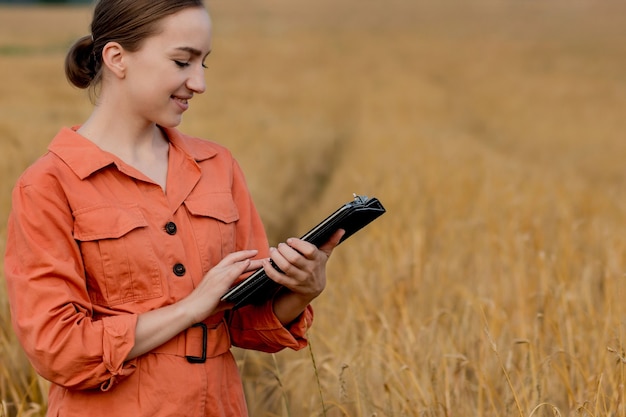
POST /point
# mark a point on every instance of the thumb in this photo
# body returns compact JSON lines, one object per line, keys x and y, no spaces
{"x":332,"y":242}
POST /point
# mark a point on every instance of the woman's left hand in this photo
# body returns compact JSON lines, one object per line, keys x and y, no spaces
{"x":303,"y":267}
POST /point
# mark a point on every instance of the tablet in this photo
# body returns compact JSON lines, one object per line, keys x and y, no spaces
{"x":351,"y":217}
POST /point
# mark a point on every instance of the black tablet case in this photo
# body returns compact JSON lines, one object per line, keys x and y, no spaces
{"x":351,"y":217}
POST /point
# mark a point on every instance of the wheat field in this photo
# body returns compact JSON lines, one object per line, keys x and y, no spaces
{"x":493,"y":133}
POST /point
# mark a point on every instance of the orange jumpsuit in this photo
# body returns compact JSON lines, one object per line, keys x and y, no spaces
{"x":92,"y":243}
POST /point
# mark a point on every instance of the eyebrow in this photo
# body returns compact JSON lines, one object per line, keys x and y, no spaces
{"x":192,"y":51}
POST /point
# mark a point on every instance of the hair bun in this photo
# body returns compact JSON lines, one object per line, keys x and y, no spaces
{"x":80,"y":63}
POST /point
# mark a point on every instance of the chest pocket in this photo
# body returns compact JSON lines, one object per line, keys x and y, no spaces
{"x":119,"y":258}
{"x":213,"y":218}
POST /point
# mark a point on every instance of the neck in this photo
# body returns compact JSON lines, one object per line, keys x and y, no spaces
{"x":144,"y":147}
{"x":111,"y":131}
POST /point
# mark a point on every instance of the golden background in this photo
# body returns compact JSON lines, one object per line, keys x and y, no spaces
{"x":492,"y":131}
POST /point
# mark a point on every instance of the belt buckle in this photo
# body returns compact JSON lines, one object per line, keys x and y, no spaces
{"x":199,"y":359}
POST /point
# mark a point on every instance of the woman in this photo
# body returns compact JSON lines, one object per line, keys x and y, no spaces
{"x":126,"y":233}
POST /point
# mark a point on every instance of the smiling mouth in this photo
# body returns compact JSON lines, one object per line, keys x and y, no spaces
{"x":181,"y":100}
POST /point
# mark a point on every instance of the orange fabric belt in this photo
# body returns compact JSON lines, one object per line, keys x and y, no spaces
{"x":199,"y":342}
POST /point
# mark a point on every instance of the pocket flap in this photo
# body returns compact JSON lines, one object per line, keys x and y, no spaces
{"x":107,"y":222}
{"x":219,"y":206}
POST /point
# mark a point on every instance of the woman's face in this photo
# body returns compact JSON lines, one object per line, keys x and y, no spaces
{"x":168,"y":69}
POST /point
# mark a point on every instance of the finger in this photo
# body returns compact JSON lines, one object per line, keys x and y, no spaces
{"x":292,"y":254}
{"x":291,"y":261}
{"x":274,"y":274}
{"x":332,"y":242}
{"x":238,"y":256}
{"x":278,"y":259}
{"x":302,"y":247}
{"x":254,"y":265}
{"x":296,"y":281}
{"x":239,"y":268}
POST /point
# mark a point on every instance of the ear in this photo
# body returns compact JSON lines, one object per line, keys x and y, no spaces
{"x":113,"y":58}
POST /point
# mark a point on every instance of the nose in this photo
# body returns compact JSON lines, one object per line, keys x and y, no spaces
{"x":196,"y":81}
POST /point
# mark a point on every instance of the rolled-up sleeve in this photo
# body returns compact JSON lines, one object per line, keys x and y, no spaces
{"x":50,"y":308}
{"x":258,"y":328}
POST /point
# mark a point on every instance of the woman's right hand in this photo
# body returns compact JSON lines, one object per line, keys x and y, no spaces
{"x":205,"y":298}
{"x":156,"y":327}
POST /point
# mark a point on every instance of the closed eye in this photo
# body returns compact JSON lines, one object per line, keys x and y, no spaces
{"x":181,"y":64}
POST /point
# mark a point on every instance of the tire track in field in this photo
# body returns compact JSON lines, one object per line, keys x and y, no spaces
{"x":315,"y":169}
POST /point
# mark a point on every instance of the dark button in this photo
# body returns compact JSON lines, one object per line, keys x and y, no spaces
{"x":170,"y":228}
{"x":179,"y":270}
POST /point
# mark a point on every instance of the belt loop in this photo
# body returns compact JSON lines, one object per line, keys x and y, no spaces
{"x":199,"y":359}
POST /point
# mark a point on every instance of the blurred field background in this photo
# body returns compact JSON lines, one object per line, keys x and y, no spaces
{"x":493,"y":132}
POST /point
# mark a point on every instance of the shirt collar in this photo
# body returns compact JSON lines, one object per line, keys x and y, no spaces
{"x":84,"y":157}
